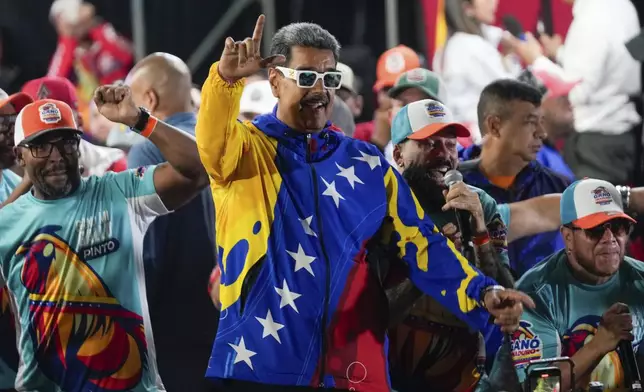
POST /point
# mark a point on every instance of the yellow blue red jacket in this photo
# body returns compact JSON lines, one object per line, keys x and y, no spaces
{"x":294,"y":212}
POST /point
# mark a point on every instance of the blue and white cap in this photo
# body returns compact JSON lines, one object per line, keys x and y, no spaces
{"x":422,"y":119}
{"x":589,"y":203}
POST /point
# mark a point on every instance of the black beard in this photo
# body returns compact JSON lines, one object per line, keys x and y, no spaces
{"x":429,"y":193}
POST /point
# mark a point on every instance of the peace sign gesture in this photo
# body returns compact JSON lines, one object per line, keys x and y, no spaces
{"x":243,"y":58}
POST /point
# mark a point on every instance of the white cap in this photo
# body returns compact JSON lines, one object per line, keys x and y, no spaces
{"x":69,"y":9}
{"x":348,"y":77}
{"x":588,"y":203}
{"x":257,"y":98}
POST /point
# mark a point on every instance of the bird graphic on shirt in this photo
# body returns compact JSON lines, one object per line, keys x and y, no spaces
{"x":84,"y":340}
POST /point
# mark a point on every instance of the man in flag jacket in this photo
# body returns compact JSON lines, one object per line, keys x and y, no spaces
{"x":296,"y":202}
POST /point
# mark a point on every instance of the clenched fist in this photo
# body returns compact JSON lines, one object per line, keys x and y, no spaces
{"x":116,"y":104}
{"x":243,"y":58}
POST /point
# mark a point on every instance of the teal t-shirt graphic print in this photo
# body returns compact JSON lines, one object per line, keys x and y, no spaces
{"x":74,"y":271}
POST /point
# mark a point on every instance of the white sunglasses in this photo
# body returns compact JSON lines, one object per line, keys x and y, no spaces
{"x":331,"y":80}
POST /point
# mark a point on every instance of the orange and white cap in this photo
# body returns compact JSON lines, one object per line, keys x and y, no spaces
{"x":41,"y":117}
{"x":589,"y":203}
{"x":393,"y":63}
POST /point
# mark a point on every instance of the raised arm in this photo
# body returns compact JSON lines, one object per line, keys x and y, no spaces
{"x":439,"y":270}
{"x":222,"y":140}
{"x":533,"y":216}
{"x":183,"y":176}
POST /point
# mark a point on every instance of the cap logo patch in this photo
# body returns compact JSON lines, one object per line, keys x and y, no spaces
{"x":416,"y":76}
{"x":50,"y":114}
{"x":395,"y":63}
{"x":602,"y":196}
{"x":434,"y":110}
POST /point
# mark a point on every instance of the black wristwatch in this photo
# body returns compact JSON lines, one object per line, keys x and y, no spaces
{"x":142,"y":122}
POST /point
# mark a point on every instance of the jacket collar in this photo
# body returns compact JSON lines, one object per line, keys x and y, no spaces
{"x":524,"y":177}
{"x":314,"y":146}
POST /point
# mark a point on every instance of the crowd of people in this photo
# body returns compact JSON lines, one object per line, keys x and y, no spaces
{"x":249,"y":235}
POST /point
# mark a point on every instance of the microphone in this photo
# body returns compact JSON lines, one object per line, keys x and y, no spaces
{"x":513,"y":26}
{"x":453,"y":177}
{"x":632,"y":376}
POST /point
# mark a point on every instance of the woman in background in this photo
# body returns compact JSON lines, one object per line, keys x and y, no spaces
{"x":470,"y":58}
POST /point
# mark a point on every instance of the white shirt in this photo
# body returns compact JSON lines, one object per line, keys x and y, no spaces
{"x":594,"y":53}
{"x":97,"y":159}
{"x":467,"y":63}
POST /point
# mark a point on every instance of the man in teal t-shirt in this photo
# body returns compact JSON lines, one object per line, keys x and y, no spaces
{"x":588,"y":296}
{"x":9,"y":108}
{"x":70,"y":250}
{"x":432,"y":349}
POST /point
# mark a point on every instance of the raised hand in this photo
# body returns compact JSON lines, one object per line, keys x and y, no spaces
{"x":506,"y":306}
{"x":243,"y":58}
{"x":460,"y":197}
{"x":116,"y":104}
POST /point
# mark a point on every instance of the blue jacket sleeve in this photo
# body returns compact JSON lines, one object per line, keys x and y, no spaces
{"x":435,"y":266}
{"x":144,"y":154}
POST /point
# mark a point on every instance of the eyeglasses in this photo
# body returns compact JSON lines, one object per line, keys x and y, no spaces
{"x":619,"y":228}
{"x":65,"y":146}
{"x":331,"y":80}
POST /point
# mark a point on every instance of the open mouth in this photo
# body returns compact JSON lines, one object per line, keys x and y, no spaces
{"x":439,"y":170}
{"x":315,"y":104}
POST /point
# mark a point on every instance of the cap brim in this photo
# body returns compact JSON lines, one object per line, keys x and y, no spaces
{"x":397,"y":90}
{"x":599,"y":218}
{"x":433,"y":129}
{"x":18,"y":101}
{"x":37,"y":135}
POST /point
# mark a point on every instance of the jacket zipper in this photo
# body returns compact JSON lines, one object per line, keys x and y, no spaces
{"x":318,"y":219}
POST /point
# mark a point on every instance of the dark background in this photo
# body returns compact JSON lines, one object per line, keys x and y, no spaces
{"x":178,"y":26}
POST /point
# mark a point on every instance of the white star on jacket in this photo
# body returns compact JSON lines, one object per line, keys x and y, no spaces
{"x":372,"y":160}
{"x":242,"y":354}
{"x":288,"y":297}
{"x":332,"y":192}
{"x":270,"y":326}
{"x":306,"y":225}
{"x":350,"y":174}
{"x":302,"y":260}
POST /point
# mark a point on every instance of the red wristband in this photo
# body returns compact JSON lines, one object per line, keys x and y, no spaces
{"x":149,"y":127}
{"x":481,"y":239}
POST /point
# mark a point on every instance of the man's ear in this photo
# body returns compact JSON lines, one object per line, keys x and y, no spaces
{"x":153,"y":100}
{"x":492,"y":125}
{"x":359,"y":103}
{"x":19,"y":158}
{"x":274,"y":78}
{"x":567,"y":235}
{"x":398,"y":157}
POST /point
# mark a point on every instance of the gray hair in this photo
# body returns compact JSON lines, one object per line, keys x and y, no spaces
{"x":308,"y":35}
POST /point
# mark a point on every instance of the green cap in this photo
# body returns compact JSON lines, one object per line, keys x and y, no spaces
{"x":424,"y":80}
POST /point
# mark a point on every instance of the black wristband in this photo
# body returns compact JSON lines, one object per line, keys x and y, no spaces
{"x":142,"y":122}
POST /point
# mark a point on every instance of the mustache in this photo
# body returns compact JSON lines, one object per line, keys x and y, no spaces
{"x":316,"y":97}
{"x":438,"y":163}
{"x":55,"y":168}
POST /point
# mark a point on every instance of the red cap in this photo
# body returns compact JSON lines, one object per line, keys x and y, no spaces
{"x":18,"y":100}
{"x":52,"y":87}
{"x":42,"y":117}
{"x":556,"y":86}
